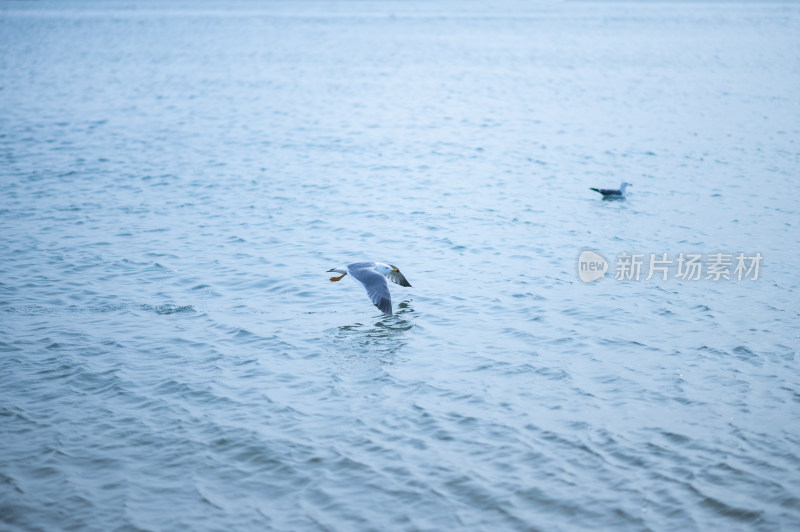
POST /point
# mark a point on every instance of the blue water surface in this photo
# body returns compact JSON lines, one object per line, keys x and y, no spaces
{"x":176,"y":179}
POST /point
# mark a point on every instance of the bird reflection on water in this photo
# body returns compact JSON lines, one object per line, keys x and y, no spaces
{"x":386,"y":336}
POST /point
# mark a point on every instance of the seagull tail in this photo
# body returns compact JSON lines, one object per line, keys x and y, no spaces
{"x":595,"y":189}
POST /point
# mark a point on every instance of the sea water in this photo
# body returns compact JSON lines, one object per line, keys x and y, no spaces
{"x":177,"y":178}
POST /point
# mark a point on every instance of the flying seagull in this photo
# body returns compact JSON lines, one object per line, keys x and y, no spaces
{"x":611,"y":193}
{"x":373,"y":276}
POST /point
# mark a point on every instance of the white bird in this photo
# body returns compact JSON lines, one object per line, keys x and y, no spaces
{"x":611,"y":193}
{"x":373,"y":276}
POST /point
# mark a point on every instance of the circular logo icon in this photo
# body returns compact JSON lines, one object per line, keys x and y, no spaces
{"x":591,"y":266}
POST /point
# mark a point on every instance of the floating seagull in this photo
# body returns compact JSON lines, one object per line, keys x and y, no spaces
{"x":610,"y":193}
{"x":373,"y":276}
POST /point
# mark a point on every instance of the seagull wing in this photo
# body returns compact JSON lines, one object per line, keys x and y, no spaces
{"x":375,"y":284}
{"x":606,"y":191}
{"x":397,"y":277}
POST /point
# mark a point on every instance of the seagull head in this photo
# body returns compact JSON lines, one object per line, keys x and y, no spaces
{"x":385,"y":269}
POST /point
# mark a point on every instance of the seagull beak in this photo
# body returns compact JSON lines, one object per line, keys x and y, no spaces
{"x":396,"y":270}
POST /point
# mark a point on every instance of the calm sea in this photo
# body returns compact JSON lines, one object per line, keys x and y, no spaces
{"x":176,"y":179}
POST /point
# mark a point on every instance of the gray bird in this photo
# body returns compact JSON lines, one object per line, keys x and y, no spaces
{"x":373,"y":276}
{"x":611,"y":193}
